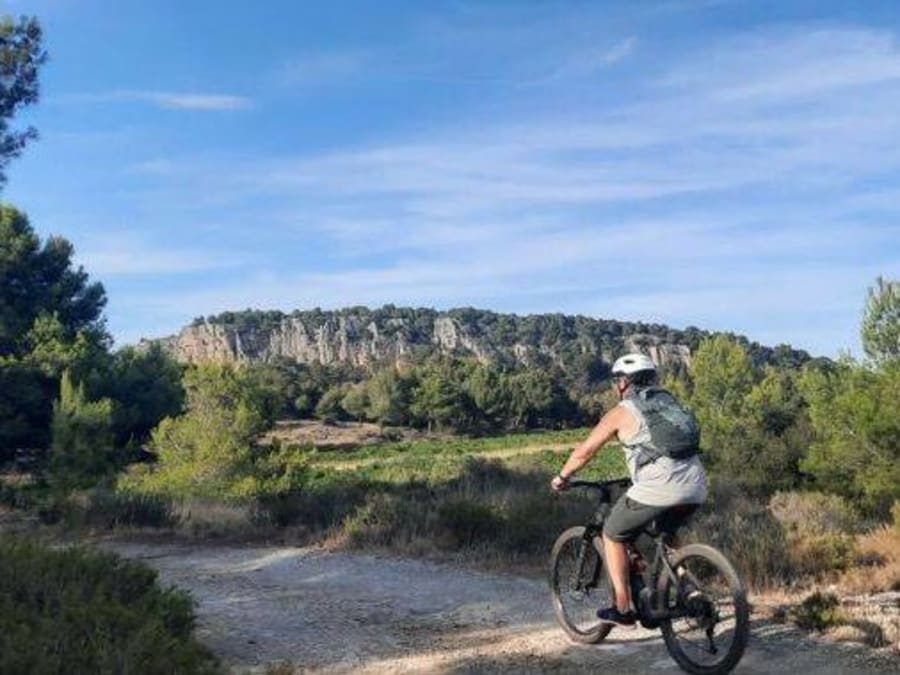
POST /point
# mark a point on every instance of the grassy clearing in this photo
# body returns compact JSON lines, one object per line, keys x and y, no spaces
{"x":402,"y":451}
{"x":437,"y":461}
{"x":481,"y":509}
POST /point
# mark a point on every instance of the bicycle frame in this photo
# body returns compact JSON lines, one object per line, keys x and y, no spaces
{"x":658,"y":566}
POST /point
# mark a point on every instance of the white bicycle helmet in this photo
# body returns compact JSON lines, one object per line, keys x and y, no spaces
{"x":633,"y":363}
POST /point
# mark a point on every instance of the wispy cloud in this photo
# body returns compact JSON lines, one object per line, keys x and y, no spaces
{"x":127,"y":256}
{"x":588,"y":62}
{"x":805,"y":63}
{"x":192,"y":101}
{"x":687,"y":138}
{"x":684,"y":141}
{"x":168,"y":100}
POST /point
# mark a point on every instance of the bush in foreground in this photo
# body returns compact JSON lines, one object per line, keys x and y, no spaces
{"x":81,"y":611}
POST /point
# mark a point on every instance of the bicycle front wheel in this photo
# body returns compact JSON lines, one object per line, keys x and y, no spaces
{"x":710,"y":616}
{"x":579,"y":586}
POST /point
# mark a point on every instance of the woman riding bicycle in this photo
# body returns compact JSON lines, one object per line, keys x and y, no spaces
{"x":661,"y":443}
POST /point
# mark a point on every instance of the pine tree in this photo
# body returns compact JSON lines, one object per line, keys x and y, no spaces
{"x":82,"y":449}
{"x":881,"y":321}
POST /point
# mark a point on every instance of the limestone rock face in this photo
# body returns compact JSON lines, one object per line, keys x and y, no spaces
{"x":364,"y":338}
{"x":663,"y":353}
{"x":451,"y":336}
{"x":342,"y":340}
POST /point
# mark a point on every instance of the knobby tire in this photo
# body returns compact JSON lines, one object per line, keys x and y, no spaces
{"x":687,"y":652}
{"x":575,"y":607}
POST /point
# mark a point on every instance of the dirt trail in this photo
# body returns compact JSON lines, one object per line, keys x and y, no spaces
{"x":329,"y":612}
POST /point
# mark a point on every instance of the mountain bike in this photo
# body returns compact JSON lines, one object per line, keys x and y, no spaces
{"x":692,"y":594}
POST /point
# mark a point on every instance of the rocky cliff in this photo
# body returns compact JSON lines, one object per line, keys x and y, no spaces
{"x":361,"y":337}
{"x":364,"y":337}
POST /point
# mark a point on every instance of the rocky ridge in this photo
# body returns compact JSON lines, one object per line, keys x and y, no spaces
{"x":363,"y":338}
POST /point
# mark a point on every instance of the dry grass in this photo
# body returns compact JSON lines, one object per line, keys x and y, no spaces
{"x":867,"y":634}
{"x":815,"y":513}
{"x":872,"y":620}
{"x":745,"y":531}
{"x":869,"y":611}
{"x":879,"y":562}
{"x":204,"y":519}
{"x":819,"y":532}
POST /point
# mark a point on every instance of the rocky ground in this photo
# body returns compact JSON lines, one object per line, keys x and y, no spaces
{"x":311,"y":610}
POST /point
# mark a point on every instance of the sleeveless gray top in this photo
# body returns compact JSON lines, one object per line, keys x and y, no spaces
{"x":666,"y":481}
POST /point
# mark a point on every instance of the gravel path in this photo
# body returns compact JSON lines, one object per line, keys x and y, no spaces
{"x":328,"y":612}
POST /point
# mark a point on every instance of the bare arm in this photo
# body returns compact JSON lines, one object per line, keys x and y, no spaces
{"x":609,"y":425}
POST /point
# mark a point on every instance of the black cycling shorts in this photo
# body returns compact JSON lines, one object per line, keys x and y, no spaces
{"x":628,"y":518}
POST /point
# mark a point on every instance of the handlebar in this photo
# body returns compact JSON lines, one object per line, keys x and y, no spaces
{"x":599,"y":484}
{"x":608,"y":489}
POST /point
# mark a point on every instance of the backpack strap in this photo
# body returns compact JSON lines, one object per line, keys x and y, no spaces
{"x":649,"y":454}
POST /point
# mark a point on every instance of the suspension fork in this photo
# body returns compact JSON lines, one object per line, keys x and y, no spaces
{"x":588,"y":577}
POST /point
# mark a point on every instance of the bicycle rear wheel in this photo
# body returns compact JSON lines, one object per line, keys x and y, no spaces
{"x":711,"y":617}
{"x":579,"y":586}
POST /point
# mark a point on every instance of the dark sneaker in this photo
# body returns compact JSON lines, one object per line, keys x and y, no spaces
{"x":616,"y":618}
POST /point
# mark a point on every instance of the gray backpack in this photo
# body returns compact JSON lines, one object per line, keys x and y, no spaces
{"x":674,"y":430}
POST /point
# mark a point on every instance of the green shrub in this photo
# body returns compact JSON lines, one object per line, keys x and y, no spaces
{"x":114,"y":509}
{"x":326,"y":500}
{"x":82,"y":611}
{"x":388,"y":520}
{"x":817,"y":555}
{"x":818,"y":612}
{"x":210,"y":451}
{"x":467,"y":522}
{"x":210,"y":519}
{"x":83,"y":444}
{"x":21,"y":493}
{"x":855,"y":412}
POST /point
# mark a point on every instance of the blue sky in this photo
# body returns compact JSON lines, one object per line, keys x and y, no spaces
{"x":725,"y":164}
